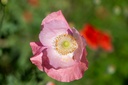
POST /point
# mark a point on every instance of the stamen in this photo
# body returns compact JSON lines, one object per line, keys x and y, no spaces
{"x":65,"y":44}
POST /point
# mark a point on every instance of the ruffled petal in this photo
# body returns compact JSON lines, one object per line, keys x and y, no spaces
{"x":51,"y":30}
{"x":55,"y":16}
{"x":53,"y":25}
{"x":59,"y":61}
{"x":37,"y":49}
{"x":35,"y":46}
{"x":37,"y":60}
{"x":68,"y":74}
{"x":81,"y":44}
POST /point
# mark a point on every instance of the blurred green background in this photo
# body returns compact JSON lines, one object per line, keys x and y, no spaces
{"x":20,"y":23}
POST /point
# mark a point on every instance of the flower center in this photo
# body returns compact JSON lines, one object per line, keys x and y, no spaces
{"x":65,"y":44}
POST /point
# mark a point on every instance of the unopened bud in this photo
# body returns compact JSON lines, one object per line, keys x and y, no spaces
{"x":4,"y":2}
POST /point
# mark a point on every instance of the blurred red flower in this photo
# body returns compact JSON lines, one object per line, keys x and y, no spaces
{"x":33,"y":2}
{"x":96,"y":38}
{"x":27,"y":16}
{"x":90,"y":34}
{"x":105,"y":41}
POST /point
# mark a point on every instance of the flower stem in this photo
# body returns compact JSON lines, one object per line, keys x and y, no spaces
{"x":96,"y":55}
{"x":2,"y":18}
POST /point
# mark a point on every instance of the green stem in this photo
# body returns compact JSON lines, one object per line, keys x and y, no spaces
{"x":96,"y":55}
{"x":2,"y":18}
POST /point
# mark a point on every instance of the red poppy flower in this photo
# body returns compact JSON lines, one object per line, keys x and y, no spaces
{"x":90,"y":34}
{"x":105,"y":41}
{"x":96,"y":38}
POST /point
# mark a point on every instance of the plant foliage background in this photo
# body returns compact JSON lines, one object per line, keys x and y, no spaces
{"x":20,"y":24}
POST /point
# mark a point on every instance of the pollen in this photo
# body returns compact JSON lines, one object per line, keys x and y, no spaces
{"x":65,"y":44}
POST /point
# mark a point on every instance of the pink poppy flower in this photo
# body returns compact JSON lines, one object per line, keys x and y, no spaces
{"x":61,"y":50}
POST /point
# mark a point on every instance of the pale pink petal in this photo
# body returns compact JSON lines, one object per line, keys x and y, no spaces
{"x":74,"y":72}
{"x":37,"y":49}
{"x":37,"y":60}
{"x":81,"y":44}
{"x":35,"y":46}
{"x":51,"y":30}
{"x":59,"y":61}
{"x":55,"y":16}
{"x":53,"y":25}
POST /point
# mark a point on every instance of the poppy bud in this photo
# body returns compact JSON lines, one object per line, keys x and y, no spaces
{"x":4,"y":2}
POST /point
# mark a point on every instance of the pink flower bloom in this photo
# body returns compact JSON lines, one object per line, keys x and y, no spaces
{"x":61,"y":51}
